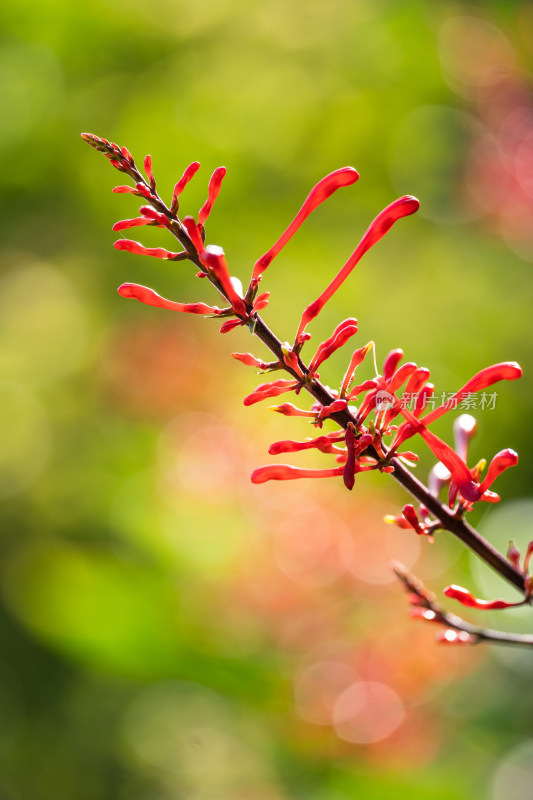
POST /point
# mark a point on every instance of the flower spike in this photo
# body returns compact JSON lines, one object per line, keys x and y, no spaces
{"x":323,"y":189}
{"x":402,"y":207}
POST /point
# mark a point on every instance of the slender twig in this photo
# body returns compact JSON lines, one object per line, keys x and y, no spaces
{"x":425,"y":601}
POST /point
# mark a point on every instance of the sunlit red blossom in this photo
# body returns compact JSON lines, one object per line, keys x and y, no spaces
{"x":427,"y":391}
{"x":291,"y":360}
{"x":285,"y":472}
{"x":501,"y":461}
{"x":290,"y":410}
{"x":417,"y":381}
{"x":333,"y":408}
{"x":155,"y":252}
{"x":127,"y":155}
{"x":272,"y":389}
{"x":125,"y":190}
{"x":400,"y":521}
{"x":366,"y":386}
{"x":261,"y":301}
{"x":290,"y":446}
{"x":344,"y":331}
{"x":230,"y":324}
{"x":212,"y":193}
{"x":505,"y":371}
{"x":357,"y":358}
{"x":189,"y":173}
{"x":194,"y":234}
{"x":124,"y":224}
{"x":411,"y":516}
{"x":402,"y":374}
{"x":377,"y":229}
{"x":467,"y":599}
{"x":213,"y":258}
{"x":323,"y":189}
{"x":391,"y":362}
{"x":151,"y":298}
{"x":250,"y":360}
{"x":149,"y":173}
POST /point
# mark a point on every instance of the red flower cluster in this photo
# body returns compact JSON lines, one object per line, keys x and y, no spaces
{"x":373,"y":422}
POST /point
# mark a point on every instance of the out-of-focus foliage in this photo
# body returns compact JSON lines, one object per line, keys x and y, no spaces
{"x":169,"y":630}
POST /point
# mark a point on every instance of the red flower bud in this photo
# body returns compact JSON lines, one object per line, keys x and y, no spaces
{"x":123,"y":224}
{"x":467,"y":599}
{"x":411,"y":516}
{"x":139,"y":249}
{"x":289,"y":446}
{"x":189,"y":173}
{"x":285,"y":472}
{"x":212,"y":193}
{"x":378,"y":228}
{"x":340,"y":336}
{"x":261,"y":301}
{"x":151,"y":298}
{"x":392,"y":360}
{"x":125,"y":190}
{"x":501,"y":461}
{"x":149,"y":173}
{"x":356,"y":359}
{"x":323,"y":189}
{"x":333,"y":408}
{"x":213,"y":258}
{"x":230,"y":324}
{"x":272,"y":389}
{"x":249,"y":360}
{"x":290,"y":410}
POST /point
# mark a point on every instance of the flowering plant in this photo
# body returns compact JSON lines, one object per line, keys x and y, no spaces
{"x":373,"y":420}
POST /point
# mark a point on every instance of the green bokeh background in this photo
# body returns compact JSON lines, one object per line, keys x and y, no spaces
{"x":161,"y":617}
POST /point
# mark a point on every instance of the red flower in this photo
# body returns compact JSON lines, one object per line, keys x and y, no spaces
{"x":378,"y":228}
{"x":284,"y":472}
{"x":151,"y":298}
{"x":344,"y":330}
{"x":467,"y":599}
{"x":323,"y":189}
{"x":212,"y":193}
{"x":155,"y":252}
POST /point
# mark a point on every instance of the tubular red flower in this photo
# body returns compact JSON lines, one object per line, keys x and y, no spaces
{"x":194,"y":234}
{"x":344,"y":330}
{"x":411,"y":516}
{"x":148,"y":171}
{"x":505,"y":371}
{"x":125,"y":190}
{"x":249,"y":360}
{"x":363,"y":387}
{"x":327,"y":411}
{"x":391,"y":362}
{"x":189,"y":173}
{"x":401,"y":375}
{"x":261,"y":301}
{"x":272,"y":389}
{"x":123,"y":224}
{"x":290,"y":410}
{"x":417,"y":380}
{"x":230,"y":325}
{"x":323,"y":189}
{"x":501,"y":461}
{"x":212,"y":193}
{"x":357,"y":358}
{"x":290,"y":446}
{"x":467,"y":599}
{"x":213,"y":258}
{"x":402,"y":207}
{"x":285,"y":472}
{"x":127,"y":155}
{"x":139,"y":249}
{"x":151,"y":298}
